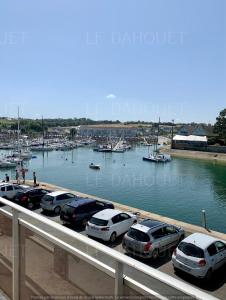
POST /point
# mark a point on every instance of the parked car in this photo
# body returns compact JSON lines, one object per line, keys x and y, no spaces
{"x":108,"y":224}
{"x":53,"y":202}
{"x":148,"y":238}
{"x":79,"y":211}
{"x":200,"y":255}
{"x":31,"y":197}
{"x":9,"y":190}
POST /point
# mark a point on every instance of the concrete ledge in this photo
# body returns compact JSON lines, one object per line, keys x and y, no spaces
{"x":189,"y":228}
{"x":210,"y":156}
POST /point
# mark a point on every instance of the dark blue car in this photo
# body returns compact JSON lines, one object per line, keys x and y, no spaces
{"x":78,"y":212}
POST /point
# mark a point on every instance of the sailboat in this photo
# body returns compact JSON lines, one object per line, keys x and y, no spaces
{"x":156,"y":156}
{"x":21,"y":154}
{"x":119,"y":147}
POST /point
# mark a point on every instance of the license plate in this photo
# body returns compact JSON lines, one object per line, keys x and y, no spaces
{"x":184,"y":268}
{"x":94,"y":228}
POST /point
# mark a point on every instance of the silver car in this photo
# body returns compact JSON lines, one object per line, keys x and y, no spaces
{"x":56,"y":200}
{"x":148,"y":238}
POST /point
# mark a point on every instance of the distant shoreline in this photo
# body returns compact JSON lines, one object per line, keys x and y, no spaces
{"x":214,"y":157}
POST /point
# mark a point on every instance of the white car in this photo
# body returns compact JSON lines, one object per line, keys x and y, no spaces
{"x":200,"y":255}
{"x":55,"y":201}
{"x":8,"y":190}
{"x":109,"y":223}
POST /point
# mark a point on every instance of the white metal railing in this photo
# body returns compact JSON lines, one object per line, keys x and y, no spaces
{"x":168,"y":286}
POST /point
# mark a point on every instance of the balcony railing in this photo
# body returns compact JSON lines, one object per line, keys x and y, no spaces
{"x":41,"y":259}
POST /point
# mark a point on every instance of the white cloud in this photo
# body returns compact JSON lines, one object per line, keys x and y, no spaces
{"x":111,"y":96}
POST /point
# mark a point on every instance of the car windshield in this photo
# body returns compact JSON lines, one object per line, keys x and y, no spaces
{"x":138,"y":235}
{"x":98,"y":222}
{"x":48,"y":198}
{"x":191,"y":250}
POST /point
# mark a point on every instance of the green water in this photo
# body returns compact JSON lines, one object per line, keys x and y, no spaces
{"x":180,"y":189}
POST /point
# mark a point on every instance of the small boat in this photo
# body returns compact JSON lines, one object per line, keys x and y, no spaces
{"x":103,"y":148}
{"x":119,"y":147}
{"x":7,"y":164}
{"x":155,"y":156}
{"x":161,"y":157}
{"x":93,"y":166}
{"x":42,"y":148}
{"x":22,"y":154}
{"x":119,"y":150}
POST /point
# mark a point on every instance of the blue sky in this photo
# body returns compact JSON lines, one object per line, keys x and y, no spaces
{"x":113,"y":59}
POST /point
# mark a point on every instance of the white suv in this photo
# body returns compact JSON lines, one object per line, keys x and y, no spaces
{"x":200,"y":255}
{"x":8,"y":190}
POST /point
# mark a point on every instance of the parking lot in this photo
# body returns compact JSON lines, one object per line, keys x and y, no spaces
{"x":217,"y":286}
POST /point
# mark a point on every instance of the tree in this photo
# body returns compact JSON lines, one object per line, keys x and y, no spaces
{"x":73,"y":132}
{"x":220,"y":125}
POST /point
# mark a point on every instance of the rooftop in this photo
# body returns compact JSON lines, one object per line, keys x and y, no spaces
{"x":190,"y":138}
{"x":81,"y":201}
{"x":201,"y":240}
{"x":107,"y":214}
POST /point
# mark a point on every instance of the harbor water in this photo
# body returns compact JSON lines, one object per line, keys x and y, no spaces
{"x":179,"y":189}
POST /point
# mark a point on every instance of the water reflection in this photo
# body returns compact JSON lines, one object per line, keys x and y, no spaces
{"x":180,"y":189}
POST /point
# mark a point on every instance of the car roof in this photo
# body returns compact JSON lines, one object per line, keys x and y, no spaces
{"x":81,"y":201}
{"x":147,"y":225}
{"x":107,"y":214}
{"x":57,"y":193}
{"x":152,"y":223}
{"x":5,"y":183}
{"x":201,"y":240}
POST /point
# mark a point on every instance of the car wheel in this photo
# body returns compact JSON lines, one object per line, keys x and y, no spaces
{"x":30,"y":205}
{"x":113,"y":237}
{"x":57,"y":210}
{"x":155,"y":253}
{"x":209,"y":275}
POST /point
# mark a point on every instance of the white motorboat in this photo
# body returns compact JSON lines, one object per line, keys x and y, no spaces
{"x":7,"y":164}
{"x":94,"y":166}
{"x":160,"y":157}
{"x":23,"y":154}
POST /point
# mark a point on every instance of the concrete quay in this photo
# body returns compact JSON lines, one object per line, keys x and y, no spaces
{"x":189,"y":228}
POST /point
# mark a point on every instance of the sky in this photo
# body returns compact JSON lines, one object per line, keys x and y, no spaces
{"x":113,"y":59}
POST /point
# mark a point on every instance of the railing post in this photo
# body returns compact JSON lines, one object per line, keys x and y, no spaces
{"x":118,"y":279}
{"x":16,"y":258}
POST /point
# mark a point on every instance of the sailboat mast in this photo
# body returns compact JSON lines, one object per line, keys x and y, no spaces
{"x":18,"y":127}
{"x":157,"y":136}
{"x":42,"y":132}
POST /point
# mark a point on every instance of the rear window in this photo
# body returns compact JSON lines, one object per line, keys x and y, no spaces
{"x":98,"y":222}
{"x":68,"y":209}
{"x":20,"y":193}
{"x":48,"y":198}
{"x":138,"y":235}
{"x":191,"y":250}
